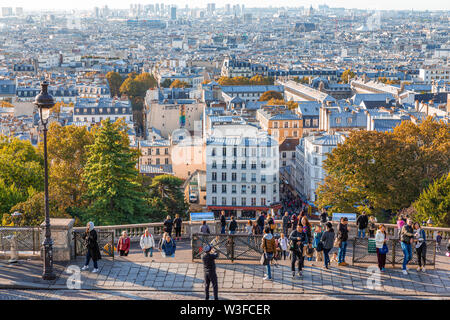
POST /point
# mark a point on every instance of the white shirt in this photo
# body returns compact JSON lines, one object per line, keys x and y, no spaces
{"x":147,"y":242}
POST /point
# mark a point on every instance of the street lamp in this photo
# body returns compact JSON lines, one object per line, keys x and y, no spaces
{"x":45,"y":102}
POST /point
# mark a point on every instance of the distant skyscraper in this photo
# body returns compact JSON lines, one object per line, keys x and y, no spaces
{"x":173,"y":13}
{"x":210,"y":8}
{"x":227,"y":8}
{"x":19,"y":11}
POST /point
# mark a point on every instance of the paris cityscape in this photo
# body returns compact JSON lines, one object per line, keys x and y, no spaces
{"x":296,"y":150}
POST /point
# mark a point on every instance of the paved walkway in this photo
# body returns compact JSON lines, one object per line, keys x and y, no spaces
{"x":184,"y":278}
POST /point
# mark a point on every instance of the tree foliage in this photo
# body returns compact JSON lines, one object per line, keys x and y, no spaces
{"x":271,"y":94}
{"x":291,"y":105}
{"x":180,"y":84}
{"x":113,"y":190}
{"x":346,"y":75}
{"x":166,"y":195}
{"x":434,"y":202}
{"x":241,"y":81}
{"x":379,"y":171}
{"x":115,"y":81}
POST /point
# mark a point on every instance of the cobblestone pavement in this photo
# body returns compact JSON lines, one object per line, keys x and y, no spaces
{"x":135,"y":277}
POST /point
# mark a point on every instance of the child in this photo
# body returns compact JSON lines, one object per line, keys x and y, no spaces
{"x":438,"y":241}
{"x":334,"y":258}
{"x":317,"y":236}
{"x":283,"y":242}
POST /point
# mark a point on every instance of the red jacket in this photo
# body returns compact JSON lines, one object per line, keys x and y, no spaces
{"x":123,"y":244}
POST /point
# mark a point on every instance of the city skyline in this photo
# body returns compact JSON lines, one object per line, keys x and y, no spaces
{"x":349,"y":4}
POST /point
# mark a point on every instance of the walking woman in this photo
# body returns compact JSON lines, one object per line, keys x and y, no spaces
{"x":327,"y":241}
{"x":406,"y":238}
{"x":269,"y":248}
{"x":123,"y":246}
{"x":317,"y":237}
{"x":177,"y":222}
{"x":93,"y":251}
{"x":168,"y":247}
{"x":372,"y":226}
{"x":381,"y":244}
{"x":271,"y":223}
{"x":147,"y":243}
{"x":421,"y":246}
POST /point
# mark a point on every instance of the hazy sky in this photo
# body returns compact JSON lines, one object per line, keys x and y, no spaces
{"x":363,"y":4}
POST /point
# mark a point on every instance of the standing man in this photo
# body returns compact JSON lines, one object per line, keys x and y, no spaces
{"x":323,"y":218}
{"x":406,"y":238}
{"x":286,"y":223}
{"x":233,"y":225}
{"x":223,"y":222}
{"x":209,"y":267}
{"x":177,"y":222}
{"x":168,"y":225}
{"x":342,"y":241}
{"x":297,"y":242}
{"x":260,"y":223}
{"x":362,"y":223}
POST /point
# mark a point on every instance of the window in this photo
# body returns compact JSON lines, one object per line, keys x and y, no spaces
{"x":263,"y":164}
{"x":253,"y":177}
{"x":253,"y":164}
{"x":213,"y":152}
{"x":243,"y":202}
{"x":243,"y":189}
{"x":214,"y":188}
{"x":224,"y":201}
{"x":166,"y":161}
{"x":157,"y":151}
{"x":263,"y":201}
{"x":233,"y":188}
{"x":214,"y":176}
{"x":224,"y":176}
{"x":224,"y":151}
{"x":234,"y":152}
{"x":315,"y":161}
{"x":263,"y":152}
{"x":275,"y":124}
{"x":307,"y":123}
{"x":233,"y":176}
{"x":275,"y":188}
{"x":283,"y":154}
{"x":224,"y":164}
{"x":286,"y":124}
{"x":244,"y":165}
{"x":349,"y":120}
{"x":295,"y":133}
{"x":263,"y":178}
{"x":224,"y":188}
{"x":166,"y":151}
{"x":338,"y":120}
{"x":263,"y":189}
{"x":234,"y":164}
{"x":253,"y":201}
{"x":253,"y":188}
{"x":214,"y":200}
{"x":157,"y":161}
{"x":295,"y":124}
{"x":233,"y":201}
{"x":253,"y":152}
{"x":316,"y":149}
{"x":214,"y":164}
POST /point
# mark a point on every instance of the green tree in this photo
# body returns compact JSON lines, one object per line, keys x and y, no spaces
{"x":266,"y":96}
{"x":434,"y":202}
{"x":115,"y":81}
{"x":165,"y":192}
{"x":114,"y":191}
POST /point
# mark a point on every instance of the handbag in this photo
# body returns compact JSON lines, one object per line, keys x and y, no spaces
{"x":384,"y":249}
{"x":264,"y":261}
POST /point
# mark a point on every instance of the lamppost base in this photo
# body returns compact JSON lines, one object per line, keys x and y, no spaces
{"x":48,"y":276}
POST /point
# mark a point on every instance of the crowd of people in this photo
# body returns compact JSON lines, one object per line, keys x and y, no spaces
{"x":297,"y":241}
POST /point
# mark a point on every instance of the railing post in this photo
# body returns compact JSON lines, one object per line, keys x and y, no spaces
{"x":232,"y":248}
{"x":393,"y":252}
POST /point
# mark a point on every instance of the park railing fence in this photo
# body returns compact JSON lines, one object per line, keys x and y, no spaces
{"x":229,"y":246}
{"x":25,"y":240}
{"x":364,"y":251}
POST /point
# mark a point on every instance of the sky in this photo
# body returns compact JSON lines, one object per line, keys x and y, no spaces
{"x":123,"y":4}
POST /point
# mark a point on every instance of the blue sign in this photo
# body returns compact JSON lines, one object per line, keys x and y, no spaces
{"x":350,"y":216}
{"x":200,"y":216}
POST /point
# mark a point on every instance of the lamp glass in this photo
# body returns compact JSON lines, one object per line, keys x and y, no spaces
{"x":45,"y":114}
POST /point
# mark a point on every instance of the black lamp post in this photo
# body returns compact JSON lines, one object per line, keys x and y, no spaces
{"x":45,"y":102}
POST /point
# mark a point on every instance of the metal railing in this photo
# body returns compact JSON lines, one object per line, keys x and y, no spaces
{"x":230,"y":247}
{"x":105,"y":240}
{"x":25,"y":240}
{"x":363,"y":253}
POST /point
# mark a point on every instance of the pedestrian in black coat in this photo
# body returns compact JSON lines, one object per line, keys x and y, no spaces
{"x":91,"y":244}
{"x":209,"y":267}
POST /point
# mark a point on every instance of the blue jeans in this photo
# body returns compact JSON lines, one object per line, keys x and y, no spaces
{"x":222,"y":231}
{"x":342,"y":252}
{"x":361,"y":232}
{"x":269,"y":271}
{"x":232,"y":232}
{"x":88,"y":258}
{"x":326,"y":257}
{"x":407,"y":253}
